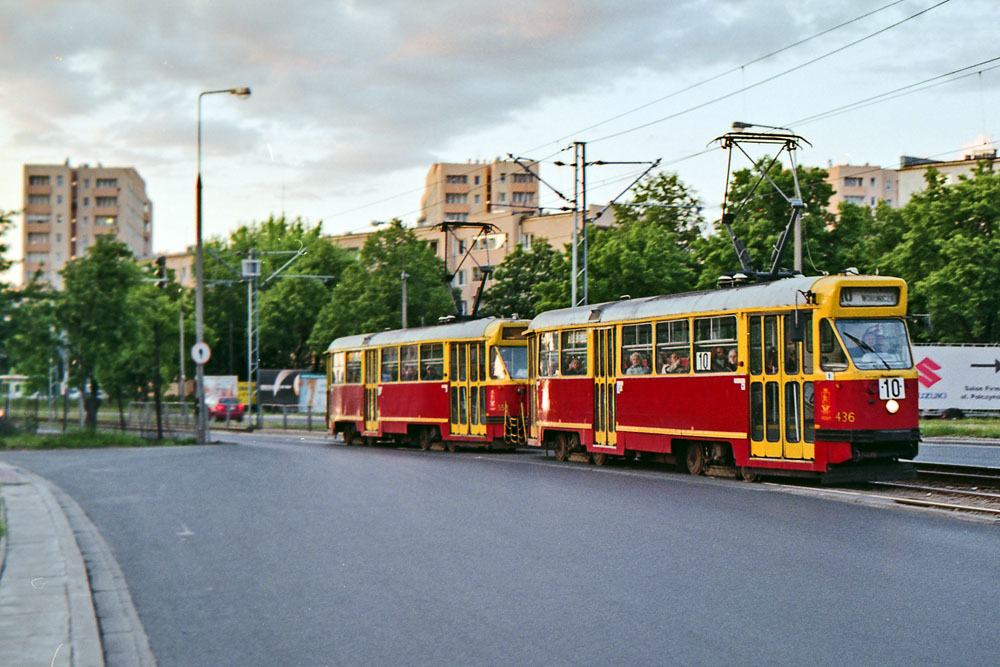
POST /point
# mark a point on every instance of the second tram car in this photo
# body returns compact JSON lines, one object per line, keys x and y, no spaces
{"x":462,"y":383}
{"x":803,"y":376}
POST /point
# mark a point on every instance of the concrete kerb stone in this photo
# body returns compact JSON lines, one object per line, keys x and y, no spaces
{"x":54,"y":565}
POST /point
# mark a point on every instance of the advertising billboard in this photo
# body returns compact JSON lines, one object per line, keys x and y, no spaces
{"x":312,"y":392}
{"x":961,"y":377}
{"x":219,"y":386}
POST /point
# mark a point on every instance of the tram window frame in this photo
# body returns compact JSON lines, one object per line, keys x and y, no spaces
{"x":409,"y":363}
{"x":573,"y":345}
{"x":756,"y":345}
{"x":757,"y":411}
{"x":673,"y":336}
{"x":808,"y":412}
{"x":548,"y":355}
{"x":473,"y":362}
{"x":790,"y":359}
{"x":832,"y":356}
{"x":637,"y":339}
{"x":337,"y":367}
{"x":808,"y":366}
{"x":389,"y":364}
{"x":772,"y":411}
{"x":432,"y":357}
{"x":771,"y":357}
{"x":793,"y":412}
{"x":352,"y":367}
{"x":710,"y":335}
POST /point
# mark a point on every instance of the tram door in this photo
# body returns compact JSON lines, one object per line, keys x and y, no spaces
{"x":371,"y":390}
{"x":604,"y":387}
{"x":468,"y":389}
{"x":781,"y":412}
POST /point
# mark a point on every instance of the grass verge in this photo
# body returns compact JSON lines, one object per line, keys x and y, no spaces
{"x":971,"y":428}
{"x":84,"y":440}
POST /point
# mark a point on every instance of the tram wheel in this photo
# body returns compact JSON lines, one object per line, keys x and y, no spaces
{"x":599,"y":458}
{"x":694,"y":458}
{"x":561,"y":447}
{"x":452,"y":446}
{"x":424,"y":439}
{"x":747,"y":474}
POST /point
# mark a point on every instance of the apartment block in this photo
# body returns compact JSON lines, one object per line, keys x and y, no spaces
{"x":864,"y":185}
{"x":66,"y":209}
{"x":457,"y":192}
{"x":913,"y":169}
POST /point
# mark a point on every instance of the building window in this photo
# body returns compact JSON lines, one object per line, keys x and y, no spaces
{"x":59,"y":180}
{"x":460,"y":278}
{"x":86,"y":183}
{"x":477,"y":199}
{"x":853,"y":182}
{"x":86,"y":201}
{"x":523,"y":197}
{"x":477,"y":273}
{"x":873,"y":201}
{"x":39,"y":200}
{"x":476,"y":181}
{"x":58,"y":199}
{"x":503,"y":178}
{"x":37,"y":257}
{"x":107,"y":183}
{"x":456,"y":179}
{"x":38,"y":238}
{"x":522,"y":178}
{"x":456,"y":198}
{"x":102,"y":202}
{"x":526,"y":240}
{"x":456,"y":217}
{"x":855,"y":199}
{"x":888,"y":185}
{"x":105,"y":220}
{"x":503,"y":197}
{"x":38,"y":180}
{"x":58,"y":238}
{"x":873,"y":181}
{"x":888,"y":202}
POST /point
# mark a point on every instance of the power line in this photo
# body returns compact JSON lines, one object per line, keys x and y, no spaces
{"x":757,"y":84}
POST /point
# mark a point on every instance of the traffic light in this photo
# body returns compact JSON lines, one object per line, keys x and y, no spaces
{"x":161,"y":272}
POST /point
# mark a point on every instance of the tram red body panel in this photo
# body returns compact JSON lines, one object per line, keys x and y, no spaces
{"x":855,"y":405}
{"x":506,"y":400}
{"x":402,"y":403}
{"x":699,"y":406}
{"x":568,"y":401}
{"x":346,"y":403}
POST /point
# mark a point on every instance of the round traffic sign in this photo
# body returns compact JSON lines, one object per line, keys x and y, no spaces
{"x":200,"y":353}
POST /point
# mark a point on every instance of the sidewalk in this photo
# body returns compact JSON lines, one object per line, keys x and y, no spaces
{"x":46,"y":608}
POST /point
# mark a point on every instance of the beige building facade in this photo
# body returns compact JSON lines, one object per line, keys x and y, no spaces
{"x":912,"y":171}
{"x":457,"y":192}
{"x":864,"y":185}
{"x":66,"y":209}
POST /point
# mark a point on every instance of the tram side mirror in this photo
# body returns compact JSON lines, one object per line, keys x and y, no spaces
{"x":797,"y":330}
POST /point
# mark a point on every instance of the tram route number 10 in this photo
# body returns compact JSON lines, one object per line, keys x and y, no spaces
{"x":891,"y":388}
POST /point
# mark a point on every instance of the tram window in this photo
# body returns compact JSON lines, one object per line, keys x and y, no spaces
{"x":574,"y":352}
{"x":473,"y":404}
{"x":808,"y":412}
{"x":508,"y":361}
{"x":791,"y":346}
{"x":548,"y":355}
{"x":463,"y":354}
{"x":637,"y":349}
{"x":807,"y":343}
{"x":771,"y":412}
{"x":432,"y":361}
{"x":482,"y":360}
{"x":390,"y":364}
{"x":352,"y":372}
{"x":482,"y":404}
{"x":756,"y":347}
{"x":463,"y":413}
{"x":474,"y":363}
{"x":673,"y":352}
{"x":792,"y":412}
{"x":771,"y":344}
{"x":715,"y":345}
{"x":756,"y":411}
{"x":831,"y":354}
{"x":338,"y":364}
{"x":408,"y":363}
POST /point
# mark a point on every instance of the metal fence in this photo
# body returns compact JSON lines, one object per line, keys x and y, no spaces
{"x":139,"y":417}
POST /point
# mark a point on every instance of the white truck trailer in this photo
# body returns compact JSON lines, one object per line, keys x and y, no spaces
{"x":958,"y":380}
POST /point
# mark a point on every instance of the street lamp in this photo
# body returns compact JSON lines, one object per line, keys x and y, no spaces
{"x":201,"y":419}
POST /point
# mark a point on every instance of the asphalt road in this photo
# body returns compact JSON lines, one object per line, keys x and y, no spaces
{"x":291,"y":550}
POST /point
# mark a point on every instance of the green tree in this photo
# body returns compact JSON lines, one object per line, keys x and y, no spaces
{"x":93,"y":310}
{"x":369,"y":296}
{"x":521,"y":278}
{"x":762,"y":214}
{"x":31,"y":342}
{"x":288,"y":306}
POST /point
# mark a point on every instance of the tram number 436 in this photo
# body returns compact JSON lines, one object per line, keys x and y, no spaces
{"x":891,"y":388}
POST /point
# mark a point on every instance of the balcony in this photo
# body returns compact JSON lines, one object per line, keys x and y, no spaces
{"x":39,"y":189}
{"x":38,"y":227}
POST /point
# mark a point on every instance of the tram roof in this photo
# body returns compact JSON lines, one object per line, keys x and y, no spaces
{"x":454,"y":331}
{"x":776,"y":294}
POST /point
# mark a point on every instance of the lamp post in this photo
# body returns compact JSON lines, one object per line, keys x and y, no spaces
{"x":201,"y":421}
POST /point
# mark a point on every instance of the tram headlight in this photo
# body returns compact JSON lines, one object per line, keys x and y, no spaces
{"x":892,"y":406}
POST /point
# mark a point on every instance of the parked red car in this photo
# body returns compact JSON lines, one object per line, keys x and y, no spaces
{"x":230,"y":406}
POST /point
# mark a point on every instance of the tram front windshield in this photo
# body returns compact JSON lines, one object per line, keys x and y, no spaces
{"x":509,"y":361}
{"x":876,"y":344}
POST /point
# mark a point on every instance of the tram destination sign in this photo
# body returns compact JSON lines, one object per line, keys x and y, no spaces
{"x":854,"y":297}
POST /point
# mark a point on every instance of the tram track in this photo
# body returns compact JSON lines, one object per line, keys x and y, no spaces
{"x":949,"y":487}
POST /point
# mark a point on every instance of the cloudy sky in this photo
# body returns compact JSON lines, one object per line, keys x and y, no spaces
{"x":353,"y":100}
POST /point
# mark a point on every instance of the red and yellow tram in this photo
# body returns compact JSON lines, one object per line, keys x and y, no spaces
{"x":464,"y":384}
{"x":802,"y":376}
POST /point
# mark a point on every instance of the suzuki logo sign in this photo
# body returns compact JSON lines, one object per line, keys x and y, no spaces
{"x":926,"y":369}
